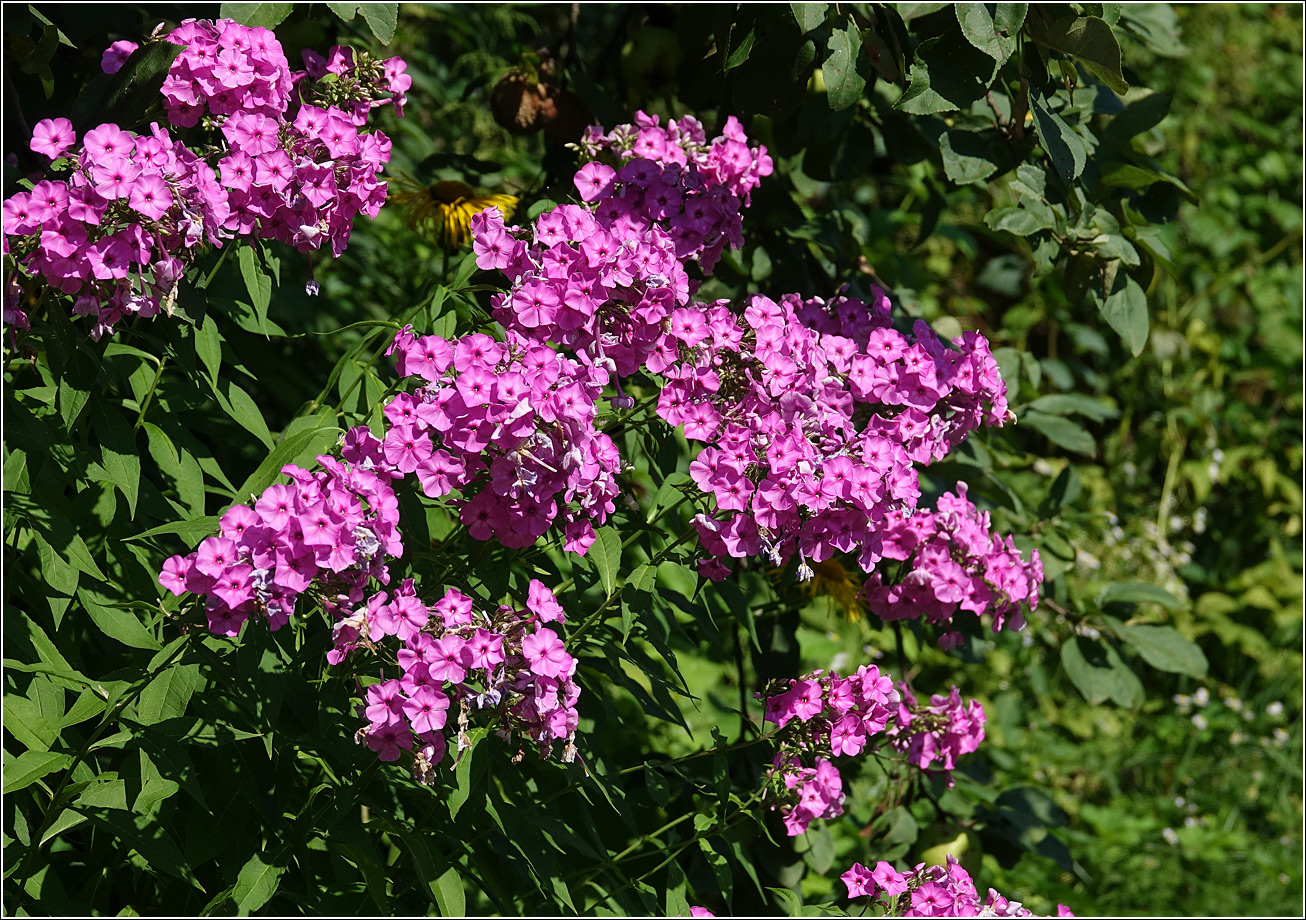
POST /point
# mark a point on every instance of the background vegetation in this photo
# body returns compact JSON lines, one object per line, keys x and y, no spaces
{"x":1132,"y":248}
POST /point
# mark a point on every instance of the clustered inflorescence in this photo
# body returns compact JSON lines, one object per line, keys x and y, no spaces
{"x":956,"y":562}
{"x":276,"y":155}
{"x":830,"y":716}
{"x":933,"y":891}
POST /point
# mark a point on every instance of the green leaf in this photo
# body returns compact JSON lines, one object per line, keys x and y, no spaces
{"x":1061,"y":432}
{"x":345,"y":11}
{"x":992,"y":31}
{"x":1091,"y":41}
{"x":149,"y":838}
{"x":1137,"y":592}
{"x":605,"y":555}
{"x":256,"y":884}
{"x":267,"y":15}
{"x":1099,"y":674}
{"x":843,"y":84}
{"x":167,"y":696}
{"x":1125,"y":309}
{"x":1140,"y":115}
{"x":191,"y":531}
{"x":1023,"y":222}
{"x":118,"y":454}
{"x":1062,"y":143}
{"x":71,"y":402}
{"x":381,"y":19}
{"x":739,"y":53}
{"x":1075,"y":403}
{"x":292,"y":450}
{"x":257,"y":283}
{"x":948,"y":73}
{"x":910,"y":11}
{"x":208,"y":345}
{"x":809,"y":16}
{"x":30,"y":766}
{"x":968,"y":157}
{"x":117,"y":623}
{"x":241,"y":407}
{"x":450,"y":895}
{"x":1165,"y":649}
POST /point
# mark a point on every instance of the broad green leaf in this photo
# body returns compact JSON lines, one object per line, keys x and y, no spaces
{"x":30,"y":766}
{"x":25,"y":721}
{"x":267,"y":15}
{"x":1023,"y":222}
{"x":1060,"y":431}
{"x":450,"y":894}
{"x":843,"y":84}
{"x":345,"y":11}
{"x":992,"y":28}
{"x":1062,"y":143}
{"x":1125,"y":308}
{"x":118,"y":624}
{"x":948,"y":73}
{"x":1165,"y":649}
{"x":1099,"y":674}
{"x":167,"y":696}
{"x":969,"y":157}
{"x":381,"y":19}
{"x":605,"y":555}
{"x":1091,"y":41}
{"x":1141,"y":115}
{"x":256,"y":884}
{"x":1075,"y":403}
{"x":71,"y":403}
{"x":910,"y":11}
{"x":809,"y":15}
{"x":1137,"y":592}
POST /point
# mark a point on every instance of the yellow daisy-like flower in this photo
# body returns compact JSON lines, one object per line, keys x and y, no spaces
{"x":840,"y":588}
{"x":443,"y":210}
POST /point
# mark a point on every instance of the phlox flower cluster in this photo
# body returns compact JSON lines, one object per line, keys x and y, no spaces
{"x":935,"y":736}
{"x":603,"y":279}
{"x":957,"y":562}
{"x":934,"y":891}
{"x":116,"y":231}
{"x":122,"y":214}
{"x":830,"y":716}
{"x":507,"y":670}
{"x":813,"y":413}
{"x":327,"y":531}
{"x":510,"y":427}
{"x":692,"y":187}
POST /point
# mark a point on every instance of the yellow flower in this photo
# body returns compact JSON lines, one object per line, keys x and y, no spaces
{"x":443,"y":210}
{"x":839,"y":587}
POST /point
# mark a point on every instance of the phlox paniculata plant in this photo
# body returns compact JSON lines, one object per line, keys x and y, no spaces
{"x":811,"y":416}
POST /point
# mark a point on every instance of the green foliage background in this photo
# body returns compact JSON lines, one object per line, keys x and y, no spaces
{"x":1133,"y":252}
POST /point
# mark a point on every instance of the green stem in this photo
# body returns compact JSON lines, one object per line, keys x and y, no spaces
{"x":149,"y":396}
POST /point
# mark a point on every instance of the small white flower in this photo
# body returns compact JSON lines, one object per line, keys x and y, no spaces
{"x":1200,"y":721}
{"x":1170,"y":836}
{"x":1274,"y":709}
